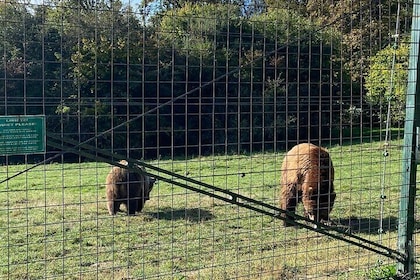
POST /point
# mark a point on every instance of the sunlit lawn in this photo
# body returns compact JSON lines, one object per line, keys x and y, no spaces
{"x":54,"y":222}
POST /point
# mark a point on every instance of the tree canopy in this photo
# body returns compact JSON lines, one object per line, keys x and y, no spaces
{"x":248,"y":74}
{"x":386,"y":80}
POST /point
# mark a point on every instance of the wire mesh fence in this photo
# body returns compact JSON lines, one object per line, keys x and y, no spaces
{"x":208,"y":97}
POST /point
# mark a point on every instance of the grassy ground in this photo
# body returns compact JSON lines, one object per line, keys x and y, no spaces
{"x":54,"y":222}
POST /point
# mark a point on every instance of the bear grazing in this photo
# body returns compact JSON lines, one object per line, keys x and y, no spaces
{"x":307,"y":176}
{"x":124,"y":186}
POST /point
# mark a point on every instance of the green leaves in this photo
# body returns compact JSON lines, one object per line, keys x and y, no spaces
{"x":196,"y":29}
{"x":386,"y":79}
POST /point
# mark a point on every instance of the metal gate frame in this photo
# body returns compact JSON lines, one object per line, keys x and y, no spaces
{"x":406,"y":223}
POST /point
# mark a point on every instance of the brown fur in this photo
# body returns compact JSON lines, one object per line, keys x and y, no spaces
{"x":307,"y":177}
{"x":129,"y":187}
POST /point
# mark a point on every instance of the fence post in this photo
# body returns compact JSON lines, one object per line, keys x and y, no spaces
{"x":409,"y":164}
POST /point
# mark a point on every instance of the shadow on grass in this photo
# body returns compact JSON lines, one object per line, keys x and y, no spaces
{"x":368,"y":225}
{"x":190,"y":214}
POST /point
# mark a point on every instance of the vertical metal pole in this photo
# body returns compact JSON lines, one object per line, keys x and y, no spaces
{"x":409,"y":164}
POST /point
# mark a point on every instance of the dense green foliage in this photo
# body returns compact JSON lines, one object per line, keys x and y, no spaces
{"x":387,"y":80}
{"x":193,"y":77}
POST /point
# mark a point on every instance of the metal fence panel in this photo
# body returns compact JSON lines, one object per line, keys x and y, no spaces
{"x":209,"y":97}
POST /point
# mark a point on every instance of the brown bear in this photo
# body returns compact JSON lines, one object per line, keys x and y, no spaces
{"x":307,"y":177}
{"x":129,"y":187}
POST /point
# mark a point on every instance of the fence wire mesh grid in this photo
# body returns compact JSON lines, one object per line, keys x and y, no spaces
{"x":209,"y":97}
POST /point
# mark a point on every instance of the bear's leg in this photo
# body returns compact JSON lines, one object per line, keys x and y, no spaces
{"x":113,"y":207}
{"x":140,"y":205}
{"x":288,"y":203}
{"x":110,"y":206}
{"x":110,"y":203}
{"x":142,"y":200}
{"x":133,"y":197}
{"x":310,"y":202}
{"x":132,"y":205}
{"x":325,"y":206}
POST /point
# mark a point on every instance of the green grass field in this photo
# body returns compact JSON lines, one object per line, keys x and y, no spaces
{"x":54,"y":222}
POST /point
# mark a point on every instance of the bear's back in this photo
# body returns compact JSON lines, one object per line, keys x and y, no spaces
{"x":303,"y":158}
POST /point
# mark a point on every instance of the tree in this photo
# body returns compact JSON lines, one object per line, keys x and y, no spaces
{"x":98,"y":54}
{"x":21,"y":33}
{"x":254,"y":103}
{"x":366,"y":27}
{"x":386,"y":81}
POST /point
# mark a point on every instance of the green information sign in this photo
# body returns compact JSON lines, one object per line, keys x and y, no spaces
{"x":22,"y":135}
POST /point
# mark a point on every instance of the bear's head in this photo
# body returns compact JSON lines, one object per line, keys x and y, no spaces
{"x":148,"y":186}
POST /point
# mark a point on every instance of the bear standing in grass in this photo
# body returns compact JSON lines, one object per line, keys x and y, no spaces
{"x":129,"y":187}
{"x":307,"y":177}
